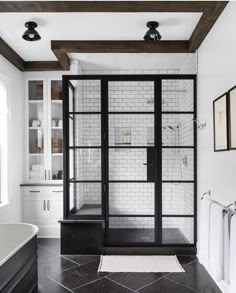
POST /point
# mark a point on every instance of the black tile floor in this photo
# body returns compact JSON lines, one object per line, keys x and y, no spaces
{"x":78,"y":273}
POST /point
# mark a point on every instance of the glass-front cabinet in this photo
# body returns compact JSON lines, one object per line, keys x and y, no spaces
{"x":44,"y":131}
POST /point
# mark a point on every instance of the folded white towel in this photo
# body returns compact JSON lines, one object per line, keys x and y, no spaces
{"x":233,"y":255}
{"x":203,"y":253}
{"x":216,"y":251}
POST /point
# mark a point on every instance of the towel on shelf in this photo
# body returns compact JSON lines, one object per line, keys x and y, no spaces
{"x":216,"y":251}
{"x":233,"y":255}
{"x":203,"y":254}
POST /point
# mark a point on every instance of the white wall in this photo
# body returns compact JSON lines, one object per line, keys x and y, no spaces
{"x":216,"y":75}
{"x":13,"y":78}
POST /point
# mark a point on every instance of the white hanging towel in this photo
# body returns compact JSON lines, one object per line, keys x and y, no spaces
{"x":226,"y":272}
{"x":203,"y":254}
{"x":233,"y":255}
{"x":216,"y":251}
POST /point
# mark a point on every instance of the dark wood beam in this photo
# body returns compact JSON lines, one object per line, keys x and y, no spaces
{"x":7,"y":52}
{"x":210,"y":10}
{"x":106,"y":6}
{"x":62,"y":57}
{"x":43,"y":66}
{"x":205,"y":24}
{"x":119,"y":47}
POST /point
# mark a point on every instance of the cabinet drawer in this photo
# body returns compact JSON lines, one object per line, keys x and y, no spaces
{"x":32,"y":192}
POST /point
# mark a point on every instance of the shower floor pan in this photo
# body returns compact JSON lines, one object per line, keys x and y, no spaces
{"x":169,"y":236}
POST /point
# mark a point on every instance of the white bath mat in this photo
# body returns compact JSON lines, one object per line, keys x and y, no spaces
{"x":140,"y":264}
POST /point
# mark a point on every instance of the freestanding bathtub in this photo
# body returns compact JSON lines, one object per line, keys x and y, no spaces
{"x":18,"y":258}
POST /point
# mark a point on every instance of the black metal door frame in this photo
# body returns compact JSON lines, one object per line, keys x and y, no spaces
{"x":157,"y":79}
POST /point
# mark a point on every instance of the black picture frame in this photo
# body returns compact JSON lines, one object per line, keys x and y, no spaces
{"x":232,"y":117}
{"x":221,"y":123}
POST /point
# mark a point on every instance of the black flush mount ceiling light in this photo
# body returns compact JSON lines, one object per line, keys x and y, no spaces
{"x":152,"y":34}
{"x":31,"y":34}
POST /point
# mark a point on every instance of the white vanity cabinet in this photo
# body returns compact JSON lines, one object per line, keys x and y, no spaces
{"x":43,"y":207}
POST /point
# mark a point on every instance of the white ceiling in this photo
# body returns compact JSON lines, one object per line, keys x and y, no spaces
{"x":123,"y":61}
{"x":92,"y":26}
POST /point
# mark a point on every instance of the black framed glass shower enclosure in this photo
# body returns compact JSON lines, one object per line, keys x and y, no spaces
{"x":130,"y":156}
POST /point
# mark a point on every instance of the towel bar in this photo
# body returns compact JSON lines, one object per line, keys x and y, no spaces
{"x":206,"y":193}
{"x":226,"y":209}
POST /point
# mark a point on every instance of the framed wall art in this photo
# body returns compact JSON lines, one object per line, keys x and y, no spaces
{"x":232,"y":117}
{"x":220,"y":116}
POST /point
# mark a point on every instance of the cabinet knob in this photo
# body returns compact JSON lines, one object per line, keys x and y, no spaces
{"x":48,"y":205}
{"x":45,"y":175}
{"x":34,"y":191}
{"x":57,"y":191}
{"x":44,"y":205}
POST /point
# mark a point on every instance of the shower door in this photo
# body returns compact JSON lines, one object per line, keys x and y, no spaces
{"x":131,"y":175}
{"x":130,"y":157}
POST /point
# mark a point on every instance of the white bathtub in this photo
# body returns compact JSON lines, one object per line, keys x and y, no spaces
{"x":13,"y":236}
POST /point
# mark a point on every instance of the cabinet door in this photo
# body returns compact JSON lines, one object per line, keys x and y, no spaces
{"x":54,"y":207}
{"x":55,"y":131}
{"x":36,"y":134}
{"x":34,"y":209}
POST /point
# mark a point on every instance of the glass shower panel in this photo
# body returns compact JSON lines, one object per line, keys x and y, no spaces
{"x":177,"y":164}
{"x":178,"y":199}
{"x":177,"y":95}
{"x":127,"y":164}
{"x":131,"y":199}
{"x":131,"y":230}
{"x":177,"y":230}
{"x":131,"y":130}
{"x":87,"y":164}
{"x":87,"y":96}
{"x":177,"y":130}
{"x":85,"y":130}
{"x":131,"y":96}
{"x":86,"y":199}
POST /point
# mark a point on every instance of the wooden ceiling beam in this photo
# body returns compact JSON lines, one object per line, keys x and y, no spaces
{"x":106,"y":6}
{"x":210,"y":10}
{"x":43,"y":66}
{"x":205,"y":24}
{"x":120,"y":47}
{"x":7,"y":52}
{"x":62,"y":57}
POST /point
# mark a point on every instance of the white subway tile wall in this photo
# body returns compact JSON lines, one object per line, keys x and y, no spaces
{"x":178,"y":199}
{"x":128,"y":164}
{"x":131,"y":222}
{"x":87,"y":164}
{"x":131,"y":198}
{"x":177,"y":164}
{"x":131,"y":96}
{"x":138,"y":125}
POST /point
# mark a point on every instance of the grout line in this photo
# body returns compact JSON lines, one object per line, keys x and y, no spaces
{"x":59,"y":284}
{"x":88,"y":283}
{"x":47,"y":249}
{"x":61,"y":271}
{"x":77,"y":262}
{"x":121,"y":284}
{"x":165,"y":276}
{"x":93,"y":281}
{"x":153,"y":281}
{"x":183,"y":285}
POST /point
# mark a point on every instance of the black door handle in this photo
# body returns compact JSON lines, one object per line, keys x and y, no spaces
{"x":147,"y":164}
